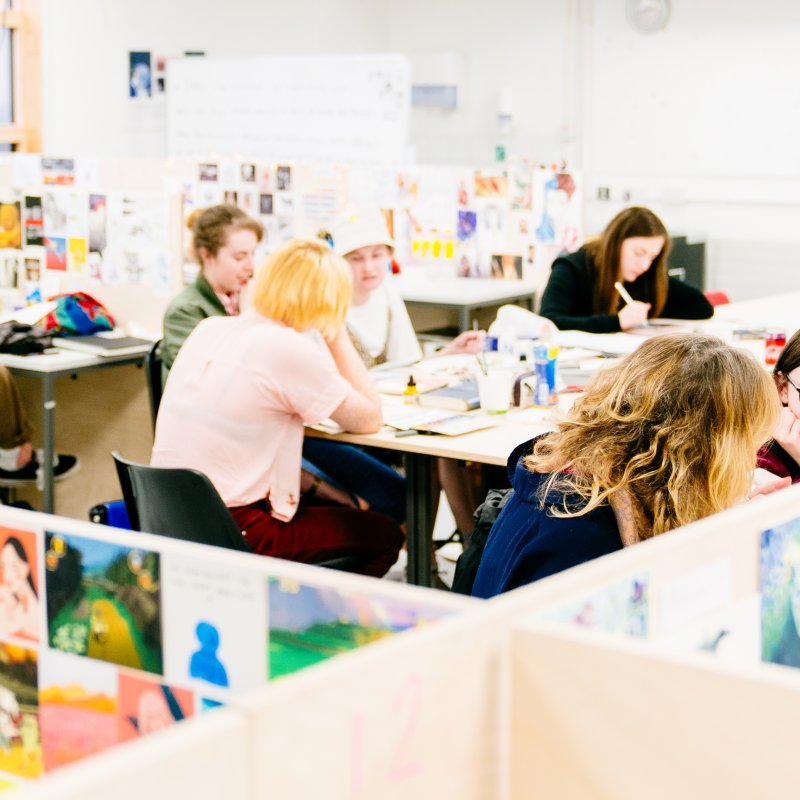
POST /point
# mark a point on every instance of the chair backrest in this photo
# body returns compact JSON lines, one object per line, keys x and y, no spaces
{"x":180,"y":503}
{"x":155,"y":380}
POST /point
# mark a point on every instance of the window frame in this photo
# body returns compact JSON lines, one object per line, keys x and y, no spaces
{"x":23,"y":19}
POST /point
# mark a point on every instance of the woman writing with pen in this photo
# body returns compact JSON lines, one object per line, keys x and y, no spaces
{"x":620,"y":280}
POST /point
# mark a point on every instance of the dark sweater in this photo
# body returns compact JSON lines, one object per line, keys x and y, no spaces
{"x":527,"y":543}
{"x":567,"y":298}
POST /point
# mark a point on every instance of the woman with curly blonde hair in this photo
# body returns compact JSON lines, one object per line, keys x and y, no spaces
{"x":666,"y":437}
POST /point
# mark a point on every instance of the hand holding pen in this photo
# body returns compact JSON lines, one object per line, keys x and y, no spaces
{"x":634,"y":313}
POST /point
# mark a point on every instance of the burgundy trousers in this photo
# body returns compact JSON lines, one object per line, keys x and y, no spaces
{"x":320,"y":531}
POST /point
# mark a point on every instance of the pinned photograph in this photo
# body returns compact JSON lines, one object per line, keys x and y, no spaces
{"x":19,"y":585}
{"x":58,"y":171}
{"x":103,"y":601}
{"x":139,"y":74}
{"x":507,"y":267}
{"x":491,"y":186}
{"x":283,"y":178}
{"x":265,"y":204}
{"x":467,"y":225}
{"x":56,"y":248}
{"x":34,"y":221}
{"x":208,"y":172}
{"x":77,"y":708}
{"x":76,"y":255}
{"x":20,"y":742}
{"x":97,"y":223}
{"x":248,"y":172}
{"x":231,"y":197}
{"x":10,"y":225}
{"x":32,"y":266}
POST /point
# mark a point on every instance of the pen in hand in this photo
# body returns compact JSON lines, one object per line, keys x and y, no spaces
{"x":625,"y":295}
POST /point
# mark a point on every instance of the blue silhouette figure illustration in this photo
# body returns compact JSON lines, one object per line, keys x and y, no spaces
{"x":204,"y":663}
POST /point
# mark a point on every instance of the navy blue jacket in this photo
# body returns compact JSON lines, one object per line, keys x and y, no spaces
{"x":527,"y":543}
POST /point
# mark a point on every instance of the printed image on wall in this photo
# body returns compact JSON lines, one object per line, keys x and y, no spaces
{"x":19,"y":585}
{"x":34,"y":221}
{"x":146,"y":706}
{"x":10,"y":225}
{"x":216,"y":618}
{"x":139,"y":74}
{"x":557,"y":209}
{"x":621,"y":608}
{"x":103,"y":601}
{"x":780,"y":594}
{"x":77,"y":707}
{"x":309,"y":624}
{"x":56,"y":248}
{"x":20,"y":749}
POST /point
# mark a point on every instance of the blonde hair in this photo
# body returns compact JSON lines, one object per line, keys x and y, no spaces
{"x":677,"y":425}
{"x":211,"y":227}
{"x":304,"y":284}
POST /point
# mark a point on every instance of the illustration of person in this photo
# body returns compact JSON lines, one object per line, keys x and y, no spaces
{"x":140,"y":80}
{"x":98,"y":626}
{"x":10,"y":228}
{"x":19,"y":603}
{"x":204,"y":663}
{"x":558,"y":192}
{"x":152,"y":712}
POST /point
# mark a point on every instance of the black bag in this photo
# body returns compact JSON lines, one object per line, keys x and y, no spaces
{"x":21,"y":339}
{"x":485,"y":515}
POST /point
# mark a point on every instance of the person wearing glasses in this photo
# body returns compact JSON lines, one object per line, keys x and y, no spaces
{"x":633,"y":250}
{"x":666,"y":437}
{"x":781,"y":456}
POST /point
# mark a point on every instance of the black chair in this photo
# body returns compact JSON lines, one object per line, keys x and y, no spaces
{"x":184,"y":504}
{"x":180,"y":503}
{"x":155,"y":384}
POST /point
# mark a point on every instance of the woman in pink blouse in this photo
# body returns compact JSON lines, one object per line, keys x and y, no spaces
{"x":240,"y":391}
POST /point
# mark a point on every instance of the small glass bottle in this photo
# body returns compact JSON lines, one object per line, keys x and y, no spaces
{"x":410,"y":392}
{"x":774,"y":343}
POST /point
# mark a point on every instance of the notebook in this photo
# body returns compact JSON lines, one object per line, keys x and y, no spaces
{"x":104,"y":344}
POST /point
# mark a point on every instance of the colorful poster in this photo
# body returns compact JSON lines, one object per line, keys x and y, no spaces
{"x":103,"y":601}
{"x":146,"y":706}
{"x":20,"y":612}
{"x":97,"y":223}
{"x":507,"y":267}
{"x":34,"y":221}
{"x":76,"y":255}
{"x":10,"y":225}
{"x":621,"y":607}
{"x":216,"y":618}
{"x":557,"y":200}
{"x":309,"y":624}
{"x":56,"y":248}
{"x":20,"y":748}
{"x":77,"y":707}
{"x":780,"y":594}
{"x":58,"y":171}
{"x":139,"y":74}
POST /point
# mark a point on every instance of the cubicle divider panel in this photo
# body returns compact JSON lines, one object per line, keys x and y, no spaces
{"x":204,"y":760}
{"x":421,"y":717}
{"x":594,"y":717}
{"x":107,"y":635}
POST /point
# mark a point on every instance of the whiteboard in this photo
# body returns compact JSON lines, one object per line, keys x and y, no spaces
{"x":352,"y":108}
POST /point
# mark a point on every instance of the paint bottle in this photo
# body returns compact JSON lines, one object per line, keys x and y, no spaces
{"x":774,"y":343}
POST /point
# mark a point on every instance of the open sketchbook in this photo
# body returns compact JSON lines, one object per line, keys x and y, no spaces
{"x":434,"y":420}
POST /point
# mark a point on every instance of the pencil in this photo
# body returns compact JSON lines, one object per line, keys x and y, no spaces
{"x":623,"y":292}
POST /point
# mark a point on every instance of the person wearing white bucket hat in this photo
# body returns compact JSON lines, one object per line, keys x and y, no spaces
{"x":380,"y":329}
{"x":377,"y":321}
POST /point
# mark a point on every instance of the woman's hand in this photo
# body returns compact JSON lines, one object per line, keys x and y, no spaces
{"x":466,"y":342}
{"x":787,"y":434}
{"x":633,"y":315}
{"x":770,"y":487}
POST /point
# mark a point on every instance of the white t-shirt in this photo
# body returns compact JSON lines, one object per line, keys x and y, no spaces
{"x":383,"y":322}
{"x":235,"y":403}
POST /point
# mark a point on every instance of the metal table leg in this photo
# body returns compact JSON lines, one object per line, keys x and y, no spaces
{"x":49,"y":440}
{"x":463,"y":318}
{"x":418,"y":518}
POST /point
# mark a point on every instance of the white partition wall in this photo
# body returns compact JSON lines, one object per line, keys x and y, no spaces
{"x":641,"y":674}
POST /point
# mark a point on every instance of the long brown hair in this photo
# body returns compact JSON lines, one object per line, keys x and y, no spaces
{"x":604,"y":253}
{"x":676,"y":425}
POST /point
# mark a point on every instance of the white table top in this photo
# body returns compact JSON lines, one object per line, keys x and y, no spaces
{"x":62,"y":360}
{"x":416,"y":286}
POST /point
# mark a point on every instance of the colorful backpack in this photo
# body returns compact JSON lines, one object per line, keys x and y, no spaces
{"x":78,"y":313}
